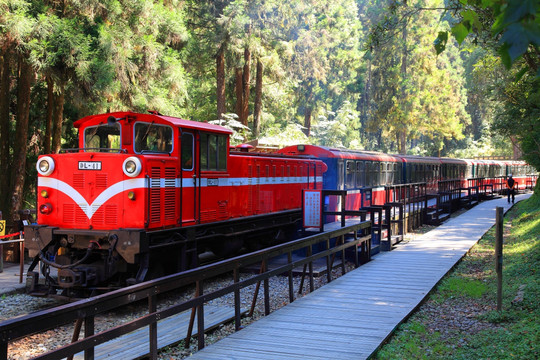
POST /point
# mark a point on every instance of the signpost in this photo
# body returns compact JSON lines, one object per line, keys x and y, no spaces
{"x":312,"y":203}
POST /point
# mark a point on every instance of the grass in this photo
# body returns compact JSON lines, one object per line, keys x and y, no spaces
{"x":460,"y":320}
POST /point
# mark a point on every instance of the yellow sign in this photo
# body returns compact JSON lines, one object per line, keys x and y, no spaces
{"x":2,"y":227}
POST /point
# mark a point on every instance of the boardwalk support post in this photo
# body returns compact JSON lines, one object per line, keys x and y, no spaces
{"x":499,"y":254}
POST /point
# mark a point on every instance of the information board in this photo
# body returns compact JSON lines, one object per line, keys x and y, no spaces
{"x":312,"y":208}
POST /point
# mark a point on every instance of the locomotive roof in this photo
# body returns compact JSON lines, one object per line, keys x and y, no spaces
{"x":177,"y":122}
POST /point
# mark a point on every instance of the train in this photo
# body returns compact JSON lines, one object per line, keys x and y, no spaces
{"x":356,"y":170}
{"x":143,"y":195}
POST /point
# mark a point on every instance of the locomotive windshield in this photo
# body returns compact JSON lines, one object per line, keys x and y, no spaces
{"x":102,"y":137}
{"x":153,"y":138}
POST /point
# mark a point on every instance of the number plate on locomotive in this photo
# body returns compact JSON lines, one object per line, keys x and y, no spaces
{"x":89,"y":165}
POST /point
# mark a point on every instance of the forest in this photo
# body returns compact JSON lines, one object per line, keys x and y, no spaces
{"x":456,"y":78}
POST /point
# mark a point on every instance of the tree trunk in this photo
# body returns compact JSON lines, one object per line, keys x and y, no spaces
{"x":239,"y":92}
{"x":58,"y":114}
{"x":403,"y":142}
{"x":307,"y":121}
{"x":4,"y":134}
{"x":403,"y":130}
{"x":49,"y":119}
{"x":258,"y":99}
{"x":245,"y":86}
{"x":20,"y":146}
{"x":220,"y":75}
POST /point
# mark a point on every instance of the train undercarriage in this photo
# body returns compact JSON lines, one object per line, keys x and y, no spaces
{"x":81,"y":263}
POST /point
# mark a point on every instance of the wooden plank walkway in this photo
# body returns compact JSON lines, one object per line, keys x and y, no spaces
{"x":170,"y":331}
{"x":354,"y":314}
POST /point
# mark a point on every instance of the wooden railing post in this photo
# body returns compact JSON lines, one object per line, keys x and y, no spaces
{"x":499,"y":254}
{"x":152,"y":328}
{"x":89,"y":331}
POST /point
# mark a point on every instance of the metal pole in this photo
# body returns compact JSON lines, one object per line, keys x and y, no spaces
{"x":21,"y":258}
{"x":499,"y":254}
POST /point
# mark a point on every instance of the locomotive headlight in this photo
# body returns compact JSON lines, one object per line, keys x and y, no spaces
{"x":45,"y":166}
{"x":132,"y":166}
{"x":44,"y":194}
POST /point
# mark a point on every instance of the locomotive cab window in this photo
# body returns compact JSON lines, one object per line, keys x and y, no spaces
{"x":102,"y":137}
{"x":151,"y":137}
{"x":187,"y":151}
{"x":213,"y":152}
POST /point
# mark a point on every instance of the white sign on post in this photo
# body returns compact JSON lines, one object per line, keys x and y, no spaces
{"x":311,"y":204}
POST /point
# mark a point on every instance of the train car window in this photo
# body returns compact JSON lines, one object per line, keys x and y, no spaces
{"x":373,"y":173}
{"x":351,"y":175}
{"x":151,"y":137}
{"x":360,"y":173}
{"x":367,"y":169}
{"x":341,"y":175}
{"x":102,"y":137}
{"x":187,"y":151}
{"x":213,"y":152}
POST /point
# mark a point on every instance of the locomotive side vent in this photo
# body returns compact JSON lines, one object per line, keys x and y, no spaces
{"x":111,"y":214}
{"x":69,"y":213}
{"x":222,"y":210}
{"x":155,"y":195}
{"x":73,"y":214}
{"x":78,"y":180}
{"x":170,"y":191}
{"x":99,"y":215}
{"x":101,"y":181}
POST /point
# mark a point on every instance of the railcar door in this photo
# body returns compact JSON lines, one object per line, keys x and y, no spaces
{"x":190,"y":183}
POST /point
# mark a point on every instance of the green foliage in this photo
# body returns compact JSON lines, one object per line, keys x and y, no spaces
{"x":519,"y":115}
{"x":338,"y":129}
{"x":456,"y":286}
{"x":240,"y":131}
{"x":326,"y":65}
{"x":510,"y":333}
{"x":289,"y":135}
{"x":515,"y":22}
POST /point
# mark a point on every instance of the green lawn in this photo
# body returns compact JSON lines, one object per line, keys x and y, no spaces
{"x":460,"y":320}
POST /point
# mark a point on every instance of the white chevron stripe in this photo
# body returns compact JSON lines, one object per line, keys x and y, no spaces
{"x":90,"y":209}
{"x":141,"y":183}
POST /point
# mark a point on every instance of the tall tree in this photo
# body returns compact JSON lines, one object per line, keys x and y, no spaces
{"x":18,"y":170}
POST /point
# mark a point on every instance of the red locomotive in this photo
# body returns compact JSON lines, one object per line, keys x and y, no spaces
{"x":144,"y":194}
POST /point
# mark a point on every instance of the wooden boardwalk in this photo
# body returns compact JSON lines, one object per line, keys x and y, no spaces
{"x":170,"y":331}
{"x":353,"y":315}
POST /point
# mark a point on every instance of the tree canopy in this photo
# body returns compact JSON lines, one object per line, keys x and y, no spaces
{"x":430,"y":77}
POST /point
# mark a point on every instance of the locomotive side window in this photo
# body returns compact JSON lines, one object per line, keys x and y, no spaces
{"x":102,"y":137}
{"x":213,"y":152}
{"x":151,"y":137}
{"x":187,"y":151}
